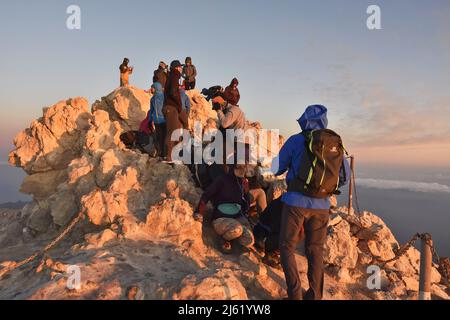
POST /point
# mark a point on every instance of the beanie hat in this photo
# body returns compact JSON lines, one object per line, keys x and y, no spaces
{"x":175,"y":64}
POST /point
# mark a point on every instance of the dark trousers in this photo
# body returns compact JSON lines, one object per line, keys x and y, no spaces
{"x":173,"y":123}
{"x":315,"y":223}
{"x":189,"y":85}
{"x":160,"y":139}
{"x":184,"y":119}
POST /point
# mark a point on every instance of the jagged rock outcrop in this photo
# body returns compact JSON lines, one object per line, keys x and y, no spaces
{"x":138,"y":238}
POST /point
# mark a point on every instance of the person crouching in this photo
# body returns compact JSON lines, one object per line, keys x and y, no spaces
{"x":229,"y":195}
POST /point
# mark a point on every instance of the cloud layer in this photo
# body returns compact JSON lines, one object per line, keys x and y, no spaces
{"x":403,"y":185}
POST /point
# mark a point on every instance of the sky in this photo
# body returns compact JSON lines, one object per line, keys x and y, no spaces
{"x":387,"y":91}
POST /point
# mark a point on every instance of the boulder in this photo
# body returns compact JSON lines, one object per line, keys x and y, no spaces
{"x":39,"y":218}
{"x":63,"y":207}
{"x":98,"y":240}
{"x":172,"y":220}
{"x":222,"y":285}
{"x":340,"y":248}
{"x":127,"y":105}
{"x":44,"y":184}
{"x":249,"y":261}
{"x":54,"y":140}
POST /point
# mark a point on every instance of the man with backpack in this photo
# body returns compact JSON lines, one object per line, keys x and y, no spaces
{"x":317,"y":167}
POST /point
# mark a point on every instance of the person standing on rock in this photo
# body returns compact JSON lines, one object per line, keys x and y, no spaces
{"x":172,"y":105}
{"x":160,"y":74}
{"x":125,"y":72}
{"x":231,"y":94}
{"x":307,"y":200}
{"x":229,"y":195}
{"x":189,"y":74}
{"x":157,"y":120}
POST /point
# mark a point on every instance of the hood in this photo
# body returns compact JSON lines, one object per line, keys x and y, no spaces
{"x":158,"y":87}
{"x":314,"y":117}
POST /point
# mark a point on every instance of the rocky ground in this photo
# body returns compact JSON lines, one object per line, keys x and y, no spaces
{"x":137,"y":238}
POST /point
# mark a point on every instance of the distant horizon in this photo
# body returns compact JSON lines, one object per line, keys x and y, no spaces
{"x":386,"y":90}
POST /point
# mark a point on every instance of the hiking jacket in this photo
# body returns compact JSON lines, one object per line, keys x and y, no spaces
{"x":185,"y":101}
{"x":189,"y":72}
{"x":232,"y":95}
{"x":231,"y":117}
{"x":226,"y":188}
{"x":172,"y":96}
{"x":160,"y":75}
{"x":315,"y":117}
{"x":156,"y":105}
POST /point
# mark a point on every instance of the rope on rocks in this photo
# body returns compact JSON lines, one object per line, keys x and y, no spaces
{"x":427,"y":237}
{"x":37,"y":254}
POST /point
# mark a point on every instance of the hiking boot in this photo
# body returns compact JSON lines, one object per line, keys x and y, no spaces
{"x":272,"y":260}
{"x":225,"y":246}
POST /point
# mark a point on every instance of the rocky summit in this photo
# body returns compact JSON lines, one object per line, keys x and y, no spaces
{"x":136,"y":237}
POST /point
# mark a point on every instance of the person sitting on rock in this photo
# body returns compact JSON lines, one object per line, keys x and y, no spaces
{"x":157,"y":122}
{"x":229,"y":195}
{"x":189,"y":74}
{"x":160,"y":74}
{"x":125,"y":72}
{"x":231,"y":94}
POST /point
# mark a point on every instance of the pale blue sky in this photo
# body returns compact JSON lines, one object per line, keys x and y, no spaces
{"x":286,"y":54}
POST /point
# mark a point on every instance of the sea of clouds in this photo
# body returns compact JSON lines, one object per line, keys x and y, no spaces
{"x":415,"y":186}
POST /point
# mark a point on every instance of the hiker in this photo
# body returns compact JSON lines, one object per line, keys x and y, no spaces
{"x":157,"y":120}
{"x":185,"y":108}
{"x":231,"y":117}
{"x":306,"y":202}
{"x":172,"y":105}
{"x":228,"y":194}
{"x":231,"y":94}
{"x":125,"y":72}
{"x":189,"y":74}
{"x":160,"y":74}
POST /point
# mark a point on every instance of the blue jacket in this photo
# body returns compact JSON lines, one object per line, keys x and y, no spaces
{"x":315,"y":117}
{"x":185,"y":102}
{"x":156,"y":105}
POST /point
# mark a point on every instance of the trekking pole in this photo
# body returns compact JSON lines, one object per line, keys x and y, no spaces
{"x":350,"y":186}
{"x":425,"y":267}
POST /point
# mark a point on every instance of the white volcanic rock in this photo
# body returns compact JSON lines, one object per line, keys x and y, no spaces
{"x":54,"y":140}
{"x":138,"y":238}
{"x":127,"y":105}
{"x":340,"y":247}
